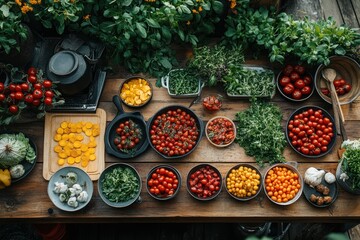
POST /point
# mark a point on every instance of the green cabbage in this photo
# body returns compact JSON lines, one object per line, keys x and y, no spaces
{"x":15,"y":148}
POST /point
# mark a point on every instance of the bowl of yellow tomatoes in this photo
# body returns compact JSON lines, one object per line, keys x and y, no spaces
{"x":136,"y":92}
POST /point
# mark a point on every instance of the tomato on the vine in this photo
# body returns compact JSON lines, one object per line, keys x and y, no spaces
{"x":36,"y":102}
{"x":25,"y":87}
{"x":128,"y":135}
{"x":12,"y":87}
{"x":2,"y":97}
{"x":284,"y":81}
{"x":29,"y":98}
{"x":2,"y":87}
{"x":48,"y":101}
{"x":19,"y":95}
{"x":37,"y":94}
{"x":32,"y":71}
{"x":47,"y":84}
{"x":49,"y":93}
{"x":14,"y":109}
{"x":32,"y":78}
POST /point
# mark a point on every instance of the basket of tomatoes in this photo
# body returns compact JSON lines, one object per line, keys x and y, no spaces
{"x":295,"y":83}
{"x":174,"y":131}
{"x":310,"y":131}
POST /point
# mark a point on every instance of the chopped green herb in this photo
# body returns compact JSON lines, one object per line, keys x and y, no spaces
{"x":183,"y":81}
{"x":260,"y":133}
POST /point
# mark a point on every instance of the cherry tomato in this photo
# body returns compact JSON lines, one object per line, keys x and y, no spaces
{"x":288,"y":70}
{"x":32,"y":71}
{"x":337,"y":83}
{"x":289,"y":89}
{"x":299,"y":84}
{"x":12,"y":87}
{"x":29,"y":98}
{"x":307,"y":80}
{"x":37,"y":94}
{"x":2,"y":87}
{"x":47,"y":84}
{"x":325,"y":91}
{"x":14,"y":109}
{"x":18,"y":88}
{"x":37,"y":86}
{"x":347,"y":87}
{"x":297,"y":94}
{"x":2,"y":97}
{"x":48,"y":101}
{"x":220,"y":131}
{"x":284,"y":81}
{"x":163,"y":182}
{"x":128,"y":133}
{"x":306,"y":90}
{"x":32,"y":78}
{"x":299,"y":69}
{"x":49,"y":93}
{"x":25,"y":87}
{"x":19,"y":95}
{"x":36,"y":102}
{"x":294,"y":76}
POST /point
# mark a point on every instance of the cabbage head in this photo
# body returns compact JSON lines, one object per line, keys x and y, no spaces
{"x":15,"y":148}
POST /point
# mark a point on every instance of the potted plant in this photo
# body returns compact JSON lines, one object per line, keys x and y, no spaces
{"x":348,"y":170}
{"x":17,"y":42}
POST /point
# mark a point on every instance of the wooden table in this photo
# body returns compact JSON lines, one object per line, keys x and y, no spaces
{"x":28,"y":200}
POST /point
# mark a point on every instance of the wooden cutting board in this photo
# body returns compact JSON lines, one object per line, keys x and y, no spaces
{"x":52,"y":123}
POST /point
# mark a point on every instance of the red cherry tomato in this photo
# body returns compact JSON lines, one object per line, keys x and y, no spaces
{"x":47,"y":84}
{"x":289,"y":89}
{"x":299,"y":84}
{"x":37,"y":94}
{"x":48,"y":101}
{"x":307,"y":80}
{"x":347,"y":87}
{"x":296,"y":94}
{"x":299,"y":69}
{"x":25,"y":87}
{"x":284,"y":81}
{"x":12,"y":87}
{"x":49,"y":93}
{"x":2,"y":97}
{"x":325,"y":91}
{"x":19,"y":95}
{"x":294,"y":76}
{"x":14,"y":109}
{"x":306,"y":90}
{"x":212,"y":103}
{"x":32,"y":71}
{"x":337,"y":83}
{"x":32,"y":78}
{"x":2,"y":87}
{"x":36,"y":102}
{"x":288,"y":70}
{"x":29,"y":98}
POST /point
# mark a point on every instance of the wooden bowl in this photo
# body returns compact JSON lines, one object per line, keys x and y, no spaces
{"x":347,"y":69}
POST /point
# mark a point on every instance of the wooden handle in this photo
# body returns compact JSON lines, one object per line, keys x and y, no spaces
{"x":342,"y":118}
{"x":335,"y":106}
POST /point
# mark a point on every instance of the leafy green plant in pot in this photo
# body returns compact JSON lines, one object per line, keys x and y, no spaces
{"x":17,"y":42}
{"x":348,"y":170}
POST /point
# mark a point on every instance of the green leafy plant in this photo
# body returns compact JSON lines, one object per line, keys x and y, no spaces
{"x":311,"y":41}
{"x":140,"y":33}
{"x":213,"y":63}
{"x":12,"y":31}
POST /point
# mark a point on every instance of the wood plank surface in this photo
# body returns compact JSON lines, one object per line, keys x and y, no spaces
{"x":331,"y":9}
{"x":28,"y":200}
{"x":348,"y":13}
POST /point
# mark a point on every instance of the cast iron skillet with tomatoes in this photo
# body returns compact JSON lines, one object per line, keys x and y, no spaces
{"x":311,"y":132}
{"x":174,"y":131}
{"x":111,"y":132}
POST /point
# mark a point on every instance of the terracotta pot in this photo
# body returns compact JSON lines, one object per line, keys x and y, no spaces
{"x":24,"y":56}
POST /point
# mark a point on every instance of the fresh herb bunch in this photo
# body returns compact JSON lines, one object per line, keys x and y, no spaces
{"x":120,"y":185}
{"x":247,"y":81}
{"x":183,"y":81}
{"x":351,"y":162}
{"x":213,"y":63}
{"x":311,"y":41}
{"x":260,"y":133}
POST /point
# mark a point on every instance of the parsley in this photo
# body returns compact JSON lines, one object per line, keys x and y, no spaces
{"x":120,"y":185}
{"x":351,"y":164}
{"x":260,"y":133}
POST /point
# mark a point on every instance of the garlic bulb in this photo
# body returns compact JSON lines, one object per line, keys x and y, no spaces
{"x":330,"y":178}
{"x":313,"y":176}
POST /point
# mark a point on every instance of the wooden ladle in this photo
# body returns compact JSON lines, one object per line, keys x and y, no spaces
{"x":330,"y":74}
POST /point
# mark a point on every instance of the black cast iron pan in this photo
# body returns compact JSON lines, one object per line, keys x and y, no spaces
{"x":198,"y":121}
{"x":110,"y":132}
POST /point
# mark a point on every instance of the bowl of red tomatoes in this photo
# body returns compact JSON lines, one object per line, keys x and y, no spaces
{"x":295,"y":83}
{"x":212,"y":103}
{"x":220,"y":131}
{"x":204,"y":182}
{"x":346,"y":83}
{"x":174,"y":131}
{"x":163,"y":182}
{"x":310,"y":131}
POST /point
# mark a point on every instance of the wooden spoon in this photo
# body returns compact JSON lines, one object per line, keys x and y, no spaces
{"x":330,"y":74}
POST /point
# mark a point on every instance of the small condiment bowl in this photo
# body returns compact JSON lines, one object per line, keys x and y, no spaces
{"x":293,"y":169}
{"x":235,"y":181}
{"x":162,"y":172}
{"x":141,"y":95}
{"x":195,"y":173}
{"x":211,"y":135}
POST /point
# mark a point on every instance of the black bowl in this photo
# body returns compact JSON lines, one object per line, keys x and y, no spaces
{"x":259,"y":186}
{"x":199,"y":125}
{"x":305,"y":97}
{"x":325,"y":114}
{"x":110,"y":132}
{"x":100,"y":184}
{"x":133,"y":105}
{"x":198,"y":168}
{"x":164,"y":196}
